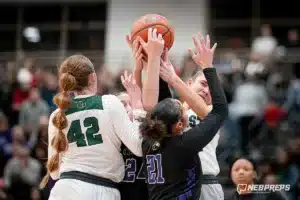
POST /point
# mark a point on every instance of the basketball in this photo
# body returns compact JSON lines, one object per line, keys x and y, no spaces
{"x":154,"y":21}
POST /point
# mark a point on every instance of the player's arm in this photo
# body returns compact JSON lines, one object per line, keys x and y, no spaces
{"x":195,"y":102}
{"x":138,"y":77}
{"x":138,"y":59}
{"x":127,"y":131}
{"x":195,"y":139}
{"x":51,"y":151}
{"x":154,"y":49}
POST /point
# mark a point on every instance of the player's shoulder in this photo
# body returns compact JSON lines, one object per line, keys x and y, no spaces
{"x":110,"y":101}
{"x":54,"y":113}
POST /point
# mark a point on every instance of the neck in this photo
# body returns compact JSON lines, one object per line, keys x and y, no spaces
{"x":84,"y":92}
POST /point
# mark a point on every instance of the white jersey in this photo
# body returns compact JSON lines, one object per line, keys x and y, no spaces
{"x":208,"y":157}
{"x":97,"y":126}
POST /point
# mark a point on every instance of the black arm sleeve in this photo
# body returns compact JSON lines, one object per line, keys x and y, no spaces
{"x":164,"y":91}
{"x":198,"y":137}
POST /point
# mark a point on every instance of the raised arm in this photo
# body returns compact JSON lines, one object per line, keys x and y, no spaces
{"x":198,"y":137}
{"x":138,"y":59}
{"x":195,"y":102}
{"x":133,"y":90}
{"x":154,"y":49}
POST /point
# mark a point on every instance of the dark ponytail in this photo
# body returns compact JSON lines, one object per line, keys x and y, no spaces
{"x":153,"y":129}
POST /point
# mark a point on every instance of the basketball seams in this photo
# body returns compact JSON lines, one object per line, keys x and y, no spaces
{"x":134,"y":35}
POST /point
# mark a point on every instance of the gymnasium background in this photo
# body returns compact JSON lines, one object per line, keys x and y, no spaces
{"x":257,"y":59}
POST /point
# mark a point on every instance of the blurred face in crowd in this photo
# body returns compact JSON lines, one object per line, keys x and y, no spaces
{"x":34,"y":95}
{"x":281,"y":156}
{"x":266,"y":30}
{"x":125,"y":99}
{"x":28,"y":63}
{"x":44,"y":127}
{"x":200,"y":86}
{"x":293,"y":35}
{"x":242,"y":172}
{"x":35,"y":194}
{"x":20,"y":152}
{"x":3,"y":124}
{"x":52,"y":82}
{"x":18,"y":135}
{"x":270,"y":180}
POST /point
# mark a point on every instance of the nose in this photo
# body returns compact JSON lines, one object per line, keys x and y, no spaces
{"x":204,"y":92}
{"x":241,"y":172}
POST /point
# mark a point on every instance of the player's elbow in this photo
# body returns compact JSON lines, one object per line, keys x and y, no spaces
{"x":138,"y":152}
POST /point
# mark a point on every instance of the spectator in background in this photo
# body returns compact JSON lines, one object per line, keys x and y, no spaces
{"x":293,"y":39}
{"x":35,"y":194}
{"x":249,"y":102}
{"x":18,"y":136}
{"x":40,"y":143}
{"x":49,"y":90}
{"x":292,"y":104}
{"x":32,"y":110}
{"x":255,"y":65}
{"x":21,"y":93}
{"x":5,"y":142}
{"x":21,"y":173}
{"x":266,"y":43}
{"x":243,"y":171}
{"x":286,"y":172}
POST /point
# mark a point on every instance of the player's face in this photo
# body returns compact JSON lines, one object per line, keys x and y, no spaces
{"x":200,"y":86}
{"x":242,"y":172}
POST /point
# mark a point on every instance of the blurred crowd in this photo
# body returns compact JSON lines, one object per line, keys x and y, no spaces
{"x":263,"y":93}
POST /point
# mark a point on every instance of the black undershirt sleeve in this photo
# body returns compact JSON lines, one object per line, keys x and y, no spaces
{"x":164,"y":91}
{"x":195,"y":139}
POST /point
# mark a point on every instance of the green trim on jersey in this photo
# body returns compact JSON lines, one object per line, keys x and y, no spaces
{"x":87,"y":103}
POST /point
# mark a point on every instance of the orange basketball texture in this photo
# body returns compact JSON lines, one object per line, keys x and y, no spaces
{"x":141,"y":26}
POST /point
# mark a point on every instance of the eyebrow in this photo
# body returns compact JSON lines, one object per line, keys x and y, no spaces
{"x":203,"y":81}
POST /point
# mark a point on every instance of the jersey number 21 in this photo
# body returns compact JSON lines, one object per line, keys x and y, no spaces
{"x":90,"y":137}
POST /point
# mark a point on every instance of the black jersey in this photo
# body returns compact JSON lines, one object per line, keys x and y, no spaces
{"x":133,"y":186}
{"x":173,"y":168}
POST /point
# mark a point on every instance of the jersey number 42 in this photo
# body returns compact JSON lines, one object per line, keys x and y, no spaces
{"x":90,"y":137}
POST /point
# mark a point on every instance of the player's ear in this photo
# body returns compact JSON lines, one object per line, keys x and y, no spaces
{"x":93,"y":80}
{"x":189,"y":82}
{"x":92,"y":77}
{"x":178,"y":128}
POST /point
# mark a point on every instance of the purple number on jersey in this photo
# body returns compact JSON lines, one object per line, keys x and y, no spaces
{"x":130,"y":170}
{"x":154,"y":169}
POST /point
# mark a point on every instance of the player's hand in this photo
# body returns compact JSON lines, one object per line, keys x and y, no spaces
{"x":136,"y":52}
{"x":204,"y":56}
{"x":133,"y":90}
{"x":155,"y":45}
{"x":167,"y":70}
